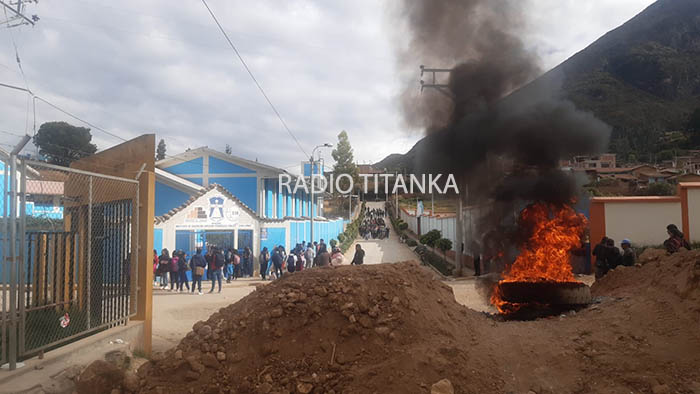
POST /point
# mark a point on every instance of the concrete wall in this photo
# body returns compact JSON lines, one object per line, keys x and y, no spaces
{"x":694,"y":214}
{"x":643,"y":222}
{"x":644,"y":219}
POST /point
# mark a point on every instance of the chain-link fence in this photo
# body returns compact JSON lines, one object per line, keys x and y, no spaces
{"x":69,"y":255}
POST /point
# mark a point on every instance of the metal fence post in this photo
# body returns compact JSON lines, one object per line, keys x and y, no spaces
{"x":136,"y":251}
{"x":21,"y":260}
{"x":12,"y":354}
{"x":5,"y":272}
{"x":88,"y":267}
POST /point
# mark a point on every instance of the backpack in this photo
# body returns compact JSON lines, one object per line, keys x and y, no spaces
{"x":236,"y":259}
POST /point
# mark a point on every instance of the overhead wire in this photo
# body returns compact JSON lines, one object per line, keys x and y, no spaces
{"x":262,"y":91}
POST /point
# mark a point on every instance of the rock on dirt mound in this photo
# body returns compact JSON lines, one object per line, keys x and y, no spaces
{"x":673,"y":278}
{"x":381,"y":328}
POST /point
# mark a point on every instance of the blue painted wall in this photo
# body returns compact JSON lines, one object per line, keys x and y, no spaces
{"x":275,"y":236}
{"x":158,"y":239}
{"x":218,"y":166}
{"x":194,"y":166}
{"x":280,"y":201}
{"x":168,"y":198}
{"x":267,"y":183}
{"x":198,"y":181}
{"x":318,"y":169}
{"x":243,"y":188}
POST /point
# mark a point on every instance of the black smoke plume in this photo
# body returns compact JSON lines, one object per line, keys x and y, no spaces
{"x":505,"y":144}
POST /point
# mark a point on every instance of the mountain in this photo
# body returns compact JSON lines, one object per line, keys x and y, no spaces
{"x":642,"y":78}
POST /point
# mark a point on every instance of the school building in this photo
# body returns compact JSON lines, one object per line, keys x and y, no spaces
{"x":203,"y":196}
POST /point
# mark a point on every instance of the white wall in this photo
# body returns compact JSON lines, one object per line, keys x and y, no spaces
{"x":643,"y":223}
{"x":694,"y":214}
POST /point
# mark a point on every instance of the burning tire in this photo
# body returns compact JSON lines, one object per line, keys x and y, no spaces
{"x":548,"y":293}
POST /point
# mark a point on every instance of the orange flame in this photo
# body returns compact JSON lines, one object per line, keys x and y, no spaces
{"x":554,"y":231}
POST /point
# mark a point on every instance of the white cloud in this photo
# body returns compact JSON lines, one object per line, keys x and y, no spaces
{"x":161,"y":66}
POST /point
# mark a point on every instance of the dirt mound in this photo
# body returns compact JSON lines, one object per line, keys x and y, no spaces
{"x":381,"y":328}
{"x":666,"y":278}
{"x":394,"y":328}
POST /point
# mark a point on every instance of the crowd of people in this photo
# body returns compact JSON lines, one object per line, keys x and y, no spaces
{"x":373,"y":225}
{"x":608,"y":256}
{"x":170,"y":272}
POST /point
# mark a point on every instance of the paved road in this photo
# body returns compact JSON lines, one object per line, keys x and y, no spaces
{"x":382,"y":250}
{"x":175,"y":313}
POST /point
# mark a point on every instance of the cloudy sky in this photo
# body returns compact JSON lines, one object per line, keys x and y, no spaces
{"x":160,"y":66}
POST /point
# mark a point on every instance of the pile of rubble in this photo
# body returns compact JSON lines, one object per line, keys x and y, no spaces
{"x":344,"y":329}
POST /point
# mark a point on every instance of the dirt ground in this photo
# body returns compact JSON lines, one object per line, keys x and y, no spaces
{"x":396,"y":328}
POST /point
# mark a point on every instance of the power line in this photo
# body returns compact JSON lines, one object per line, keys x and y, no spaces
{"x":253,"y":78}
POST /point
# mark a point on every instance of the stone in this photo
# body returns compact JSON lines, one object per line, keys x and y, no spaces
{"x":115,"y":391}
{"x":221,"y":356}
{"x":204,"y":331}
{"x":131,"y":381}
{"x":349,"y":305}
{"x":383,"y":330}
{"x":118,"y":358}
{"x":442,"y":387}
{"x":661,"y":389}
{"x":99,"y":374}
{"x":178,"y":354}
{"x":277,"y":312}
{"x":265,"y":388}
{"x":210,"y":361}
{"x":365,"y":322}
{"x":321,"y":291}
{"x":304,"y":388}
{"x":396,"y":301}
{"x":352,"y":319}
{"x":191,"y":375}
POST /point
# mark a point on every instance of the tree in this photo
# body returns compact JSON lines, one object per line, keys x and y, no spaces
{"x":694,"y":122}
{"x":160,"y":150}
{"x":430,"y":238}
{"x":344,"y":162}
{"x":228,"y":149}
{"x":62,"y":143}
{"x":660,"y":189}
{"x":443,"y":244}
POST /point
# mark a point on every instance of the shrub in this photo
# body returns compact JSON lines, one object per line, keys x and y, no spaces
{"x":341,"y":237}
{"x":403,"y":226}
{"x":443,"y":244}
{"x":333,"y":243}
{"x":430,"y":238}
{"x":411,"y":242}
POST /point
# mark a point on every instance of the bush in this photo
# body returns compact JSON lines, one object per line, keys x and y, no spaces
{"x":411,"y":242}
{"x":403,"y":226}
{"x":430,"y":238}
{"x":341,"y":237}
{"x":443,"y":244}
{"x":333,"y":243}
{"x":660,"y":189}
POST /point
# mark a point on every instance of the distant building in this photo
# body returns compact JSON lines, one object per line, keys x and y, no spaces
{"x":605,"y":160}
{"x":203,"y":196}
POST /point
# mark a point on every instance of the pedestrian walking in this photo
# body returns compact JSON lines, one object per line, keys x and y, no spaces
{"x":323,"y":258}
{"x":309,"y":255}
{"x":263,"y":259}
{"x":359,"y":257}
{"x":174,"y":268}
{"x":182,"y":270}
{"x":197,"y":264}
{"x":277,"y":260}
{"x":236,"y":263}
{"x":164,"y":268}
{"x":215,"y":268}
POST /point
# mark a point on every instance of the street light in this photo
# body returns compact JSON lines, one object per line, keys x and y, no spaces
{"x":311,"y":202}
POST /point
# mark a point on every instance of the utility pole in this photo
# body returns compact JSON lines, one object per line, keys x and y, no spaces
{"x":311,"y":202}
{"x":15,"y":13}
{"x":445,"y":89}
